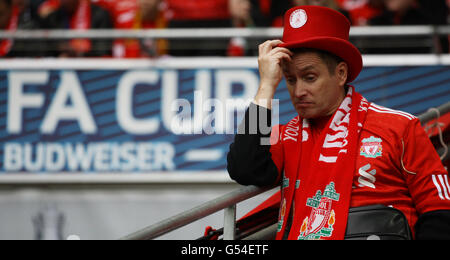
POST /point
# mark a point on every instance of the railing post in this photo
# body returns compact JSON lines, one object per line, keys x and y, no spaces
{"x":229,"y":223}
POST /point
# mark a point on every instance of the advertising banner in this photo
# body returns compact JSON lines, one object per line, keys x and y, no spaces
{"x":103,"y":116}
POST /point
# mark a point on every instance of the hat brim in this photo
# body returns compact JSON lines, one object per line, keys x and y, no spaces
{"x":338,"y":47}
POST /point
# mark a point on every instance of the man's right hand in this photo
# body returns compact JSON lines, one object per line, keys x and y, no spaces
{"x":270,"y":71}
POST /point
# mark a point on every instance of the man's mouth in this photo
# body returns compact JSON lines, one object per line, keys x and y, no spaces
{"x":303,"y":104}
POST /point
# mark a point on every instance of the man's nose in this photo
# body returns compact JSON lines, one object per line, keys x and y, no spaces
{"x":299,"y":90}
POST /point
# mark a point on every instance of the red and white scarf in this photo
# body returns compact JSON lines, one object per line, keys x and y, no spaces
{"x":81,"y":20}
{"x":5,"y":45}
{"x":324,"y":171}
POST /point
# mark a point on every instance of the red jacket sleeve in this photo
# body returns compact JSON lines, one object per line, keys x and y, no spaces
{"x":426,"y":177}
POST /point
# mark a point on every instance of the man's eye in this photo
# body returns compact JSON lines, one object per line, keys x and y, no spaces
{"x":309,"y":78}
{"x":291,"y":80}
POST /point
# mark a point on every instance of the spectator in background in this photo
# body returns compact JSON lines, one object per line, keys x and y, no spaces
{"x":402,"y":12}
{"x":325,"y":3}
{"x":79,"y":15}
{"x":361,"y":11}
{"x":264,"y":6}
{"x":198,"y":14}
{"x":245,"y":14}
{"x":278,"y":8}
{"x":28,"y":18}
{"x":9,"y":20}
{"x":18,"y":14}
{"x":240,"y":13}
{"x":150,"y":15}
{"x":137,"y":14}
{"x":414,"y":12}
{"x":47,"y":7}
{"x":439,"y":10}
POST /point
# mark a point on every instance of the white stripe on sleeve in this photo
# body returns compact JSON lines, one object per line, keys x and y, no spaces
{"x":444,"y":186}
{"x":437,"y":186}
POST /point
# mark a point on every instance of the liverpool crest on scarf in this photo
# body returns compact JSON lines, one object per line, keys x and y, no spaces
{"x":315,"y":226}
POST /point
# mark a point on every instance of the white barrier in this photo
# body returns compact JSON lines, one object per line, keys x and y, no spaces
{"x":212,"y":33}
{"x":198,"y":63}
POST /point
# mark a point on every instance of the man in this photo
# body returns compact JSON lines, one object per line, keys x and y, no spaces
{"x":245,"y":14}
{"x":137,"y":14}
{"x":412,"y":12}
{"x":79,"y":15}
{"x":9,"y":17}
{"x":198,"y":14}
{"x":19,"y":15}
{"x":341,"y":151}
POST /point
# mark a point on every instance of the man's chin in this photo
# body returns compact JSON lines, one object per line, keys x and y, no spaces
{"x":312,"y":113}
{"x":307,"y":114}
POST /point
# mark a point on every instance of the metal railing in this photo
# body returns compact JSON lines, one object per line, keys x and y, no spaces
{"x":229,"y":201}
{"x":216,"y":33}
{"x":434,"y":113}
{"x":409,"y":39}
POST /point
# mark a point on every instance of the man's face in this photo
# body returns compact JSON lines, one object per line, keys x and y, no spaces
{"x":398,"y":5}
{"x":319,"y":2}
{"x":315,"y":92}
{"x":148,"y":5}
{"x":240,"y":9}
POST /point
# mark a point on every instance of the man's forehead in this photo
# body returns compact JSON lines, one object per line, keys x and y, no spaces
{"x":304,"y":61}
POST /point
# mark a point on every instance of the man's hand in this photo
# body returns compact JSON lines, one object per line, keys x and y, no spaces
{"x":270,"y":71}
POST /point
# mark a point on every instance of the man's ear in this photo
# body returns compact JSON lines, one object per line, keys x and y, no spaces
{"x":342,"y":73}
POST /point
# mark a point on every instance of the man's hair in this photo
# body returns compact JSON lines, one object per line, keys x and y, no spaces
{"x":330,"y":60}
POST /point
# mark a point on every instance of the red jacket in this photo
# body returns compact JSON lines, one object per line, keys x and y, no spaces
{"x":397,"y":166}
{"x":198,"y":9}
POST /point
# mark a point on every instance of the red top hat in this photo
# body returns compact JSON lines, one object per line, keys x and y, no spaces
{"x":321,"y":28}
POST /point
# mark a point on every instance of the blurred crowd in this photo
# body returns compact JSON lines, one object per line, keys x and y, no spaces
{"x":150,"y":14}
